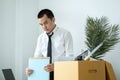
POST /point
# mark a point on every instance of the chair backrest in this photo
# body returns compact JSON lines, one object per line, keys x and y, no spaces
{"x":8,"y":74}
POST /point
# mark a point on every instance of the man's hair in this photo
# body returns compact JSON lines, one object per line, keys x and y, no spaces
{"x":47,"y":12}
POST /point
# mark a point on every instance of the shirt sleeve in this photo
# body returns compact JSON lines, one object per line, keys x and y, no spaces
{"x":68,"y":44}
{"x":37,"y":52}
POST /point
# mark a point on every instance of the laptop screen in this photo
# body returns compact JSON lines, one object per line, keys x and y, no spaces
{"x":8,"y":74}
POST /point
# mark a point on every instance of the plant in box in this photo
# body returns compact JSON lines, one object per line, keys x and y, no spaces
{"x":100,"y":30}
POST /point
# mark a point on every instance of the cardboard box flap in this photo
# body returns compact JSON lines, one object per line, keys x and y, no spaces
{"x":110,"y":75}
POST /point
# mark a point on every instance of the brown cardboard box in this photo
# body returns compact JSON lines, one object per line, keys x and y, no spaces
{"x":110,"y":75}
{"x":79,"y":70}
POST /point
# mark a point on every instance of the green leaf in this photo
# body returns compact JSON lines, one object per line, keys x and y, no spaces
{"x":99,"y":30}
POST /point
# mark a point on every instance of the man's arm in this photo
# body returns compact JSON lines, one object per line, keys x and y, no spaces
{"x":37,"y":52}
{"x":68,"y":44}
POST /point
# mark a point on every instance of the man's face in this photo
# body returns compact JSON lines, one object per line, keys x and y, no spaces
{"x":46,"y":23}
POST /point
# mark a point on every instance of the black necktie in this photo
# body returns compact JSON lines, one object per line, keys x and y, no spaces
{"x":49,"y":54}
{"x":49,"y":48}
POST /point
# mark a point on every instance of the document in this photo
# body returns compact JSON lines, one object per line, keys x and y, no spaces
{"x":37,"y":65}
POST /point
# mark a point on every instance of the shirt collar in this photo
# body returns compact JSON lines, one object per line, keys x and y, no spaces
{"x":55,"y":29}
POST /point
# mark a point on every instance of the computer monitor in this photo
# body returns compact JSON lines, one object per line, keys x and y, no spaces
{"x":8,"y":74}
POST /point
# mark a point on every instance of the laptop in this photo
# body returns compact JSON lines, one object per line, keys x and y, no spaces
{"x":8,"y":74}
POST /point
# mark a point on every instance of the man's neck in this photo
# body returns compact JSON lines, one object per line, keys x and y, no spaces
{"x":52,"y":30}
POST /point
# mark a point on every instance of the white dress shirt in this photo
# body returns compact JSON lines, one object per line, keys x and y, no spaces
{"x":62,"y":44}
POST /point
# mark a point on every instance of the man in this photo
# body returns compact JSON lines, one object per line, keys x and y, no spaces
{"x":61,"y":41}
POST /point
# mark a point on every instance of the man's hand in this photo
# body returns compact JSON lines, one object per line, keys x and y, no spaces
{"x":49,"y":68}
{"x":28,"y":71}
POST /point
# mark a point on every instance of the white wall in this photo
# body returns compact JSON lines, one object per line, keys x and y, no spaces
{"x":27,"y":30}
{"x":18,"y":34}
{"x":19,"y":28}
{"x":7,"y":35}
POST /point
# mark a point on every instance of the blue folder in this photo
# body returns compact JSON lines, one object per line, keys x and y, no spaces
{"x":37,"y":65}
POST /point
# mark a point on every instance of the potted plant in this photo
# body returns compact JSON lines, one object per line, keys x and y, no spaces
{"x":100,"y":30}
